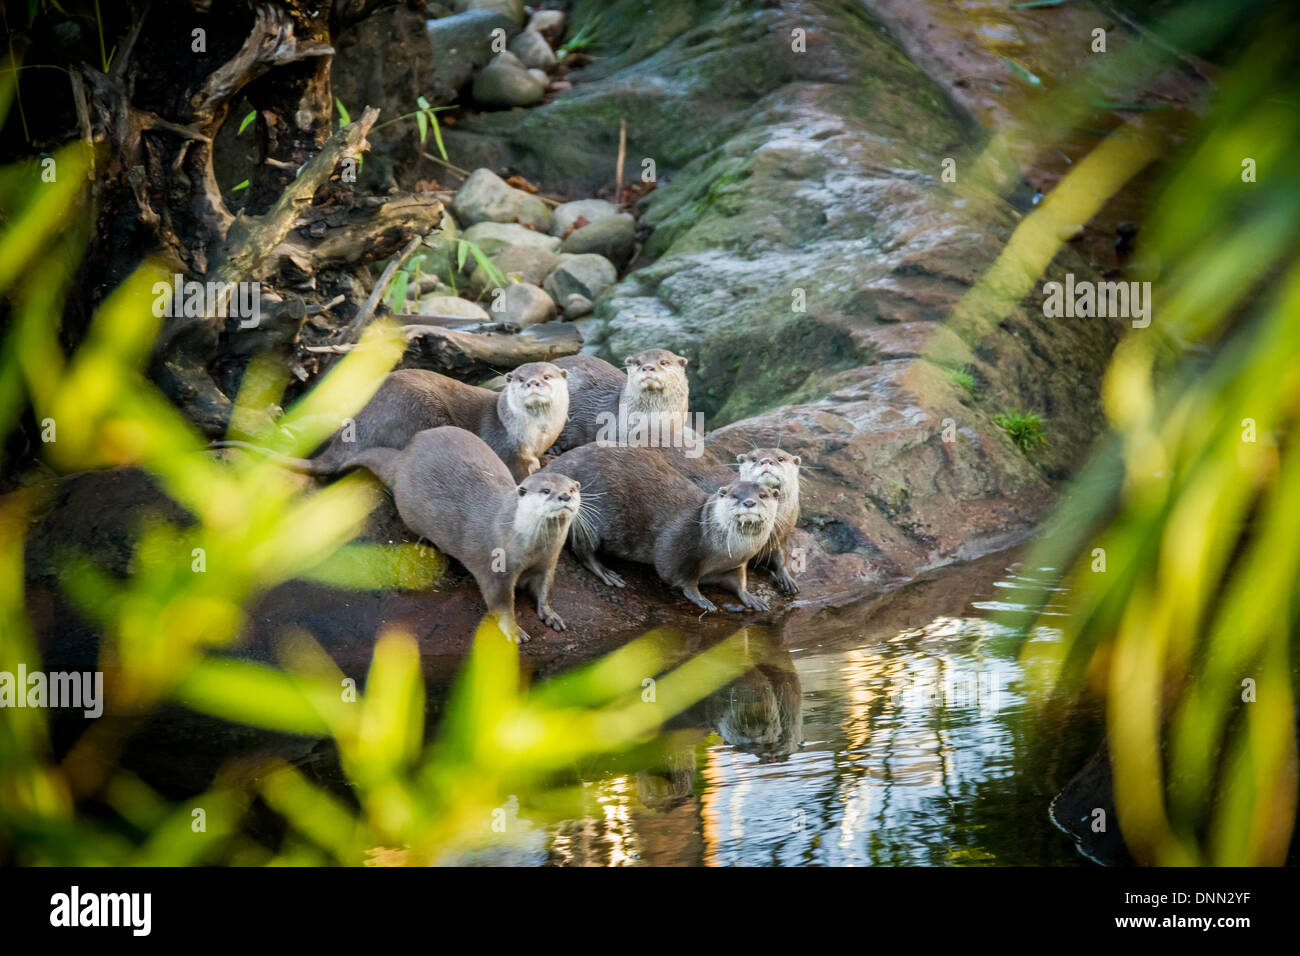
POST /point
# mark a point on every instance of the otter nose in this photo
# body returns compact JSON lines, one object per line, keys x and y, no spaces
{"x":534,"y":383}
{"x":647,"y":368}
{"x":749,"y":503}
{"x":566,"y":497}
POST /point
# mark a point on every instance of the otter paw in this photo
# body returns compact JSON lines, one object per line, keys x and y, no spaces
{"x":785,"y":584}
{"x":519,"y":637}
{"x":705,"y":604}
{"x":551,"y":619}
{"x":754,"y":603}
{"x":613,"y":580}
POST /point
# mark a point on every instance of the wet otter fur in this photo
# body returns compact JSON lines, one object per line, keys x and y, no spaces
{"x":640,"y":509}
{"x":452,"y":489}
{"x":654,"y":384}
{"x":519,"y":423}
{"x":775,"y":468}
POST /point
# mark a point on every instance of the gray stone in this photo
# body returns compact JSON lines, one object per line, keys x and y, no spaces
{"x":494,"y":237}
{"x":500,"y":84}
{"x":461,"y":45}
{"x":549,"y":23}
{"x":540,"y":76}
{"x":587,"y":275}
{"x":514,"y":9}
{"x":533,"y":50}
{"x":527,"y":263}
{"x":453,"y":305}
{"x":613,"y":237}
{"x":486,"y":197}
{"x":506,"y":58}
{"x":576,"y":306}
{"x":523,"y":303}
{"x":591,"y":210}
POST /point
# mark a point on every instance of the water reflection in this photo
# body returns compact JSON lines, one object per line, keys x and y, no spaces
{"x":841,"y":746}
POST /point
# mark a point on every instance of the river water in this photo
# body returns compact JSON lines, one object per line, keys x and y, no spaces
{"x":894,"y":737}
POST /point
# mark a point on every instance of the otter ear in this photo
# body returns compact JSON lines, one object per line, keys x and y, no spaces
{"x":522,"y":491}
{"x":577,"y":486}
{"x":630,"y":360}
{"x":564,"y":373}
{"x":743,"y":457}
{"x":510,"y":376}
{"x":797,"y":460}
{"x":724,"y":491}
{"x":683,"y":360}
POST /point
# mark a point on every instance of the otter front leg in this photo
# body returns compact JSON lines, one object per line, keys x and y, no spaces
{"x":781,"y":573}
{"x":539,"y":583}
{"x":693,"y":595}
{"x":735,"y":581}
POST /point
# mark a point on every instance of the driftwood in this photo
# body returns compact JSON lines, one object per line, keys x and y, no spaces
{"x":477,"y":357}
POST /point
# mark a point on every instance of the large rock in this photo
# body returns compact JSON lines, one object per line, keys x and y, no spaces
{"x":504,"y":84}
{"x":455,"y":306}
{"x":587,"y":275}
{"x":549,"y":23}
{"x":462,"y":44}
{"x":525,"y":263}
{"x":593,"y":210}
{"x":514,"y":9}
{"x":523,"y":304}
{"x":532,"y":50}
{"x":494,"y":237}
{"x":486,"y":197}
{"x":805,"y":254}
{"x":613,"y":237}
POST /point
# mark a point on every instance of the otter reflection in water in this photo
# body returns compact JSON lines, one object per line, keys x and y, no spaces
{"x":759,"y":713}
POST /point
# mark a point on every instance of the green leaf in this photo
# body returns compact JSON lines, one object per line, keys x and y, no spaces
{"x":396,"y":297}
{"x":437,"y":136}
{"x":249,"y":693}
{"x":345,"y":118}
{"x":1021,"y":72}
{"x":243,"y":125}
{"x":423,"y":122}
{"x":243,"y":185}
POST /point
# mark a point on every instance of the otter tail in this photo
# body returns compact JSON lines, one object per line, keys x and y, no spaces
{"x":380,"y":462}
{"x":308,"y":466}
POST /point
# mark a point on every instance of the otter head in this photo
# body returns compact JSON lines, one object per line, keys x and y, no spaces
{"x":538,"y":388}
{"x":658,"y":377}
{"x":744,"y":509}
{"x":777,"y":469}
{"x":546,"y":497}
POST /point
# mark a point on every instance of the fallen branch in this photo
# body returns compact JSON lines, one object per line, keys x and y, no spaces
{"x":358,"y":323}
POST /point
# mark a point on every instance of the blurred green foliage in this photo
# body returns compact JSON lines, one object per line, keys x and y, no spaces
{"x":1180,"y":541}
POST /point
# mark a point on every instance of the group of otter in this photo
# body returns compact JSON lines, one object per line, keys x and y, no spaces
{"x":464,"y":465}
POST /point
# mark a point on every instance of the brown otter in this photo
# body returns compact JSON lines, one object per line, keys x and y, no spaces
{"x":519,"y":423}
{"x":602,"y":398}
{"x":450,"y":488}
{"x":775,"y":468}
{"x":640,"y":509}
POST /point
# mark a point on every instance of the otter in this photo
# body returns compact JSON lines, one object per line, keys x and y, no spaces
{"x":519,"y":423}
{"x":452,"y":489}
{"x":640,"y":509}
{"x":600,"y":395}
{"x":775,"y":468}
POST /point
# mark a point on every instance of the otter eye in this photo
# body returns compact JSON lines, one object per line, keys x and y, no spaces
{"x":546,"y":491}
{"x":780,"y":459}
{"x":665,"y":362}
{"x":522,"y":491}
